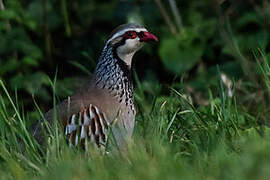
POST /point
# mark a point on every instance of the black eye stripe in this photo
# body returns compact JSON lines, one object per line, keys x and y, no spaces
{"x":140,"y":34}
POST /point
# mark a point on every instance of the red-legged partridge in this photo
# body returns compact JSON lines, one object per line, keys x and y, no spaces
{"x":107,"y":100}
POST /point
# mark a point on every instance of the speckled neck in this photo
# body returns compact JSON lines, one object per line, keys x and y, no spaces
{"x":114,"y":74}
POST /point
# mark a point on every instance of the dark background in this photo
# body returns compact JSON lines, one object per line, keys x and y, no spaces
{"x":196,"y":38}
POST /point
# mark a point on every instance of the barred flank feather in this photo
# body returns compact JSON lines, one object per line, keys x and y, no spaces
{"x":88,"y":125}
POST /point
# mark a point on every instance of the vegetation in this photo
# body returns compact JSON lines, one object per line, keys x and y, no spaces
{"x":202,"y":93}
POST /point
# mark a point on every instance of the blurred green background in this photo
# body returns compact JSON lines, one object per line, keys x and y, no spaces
{"x":38,"y":37}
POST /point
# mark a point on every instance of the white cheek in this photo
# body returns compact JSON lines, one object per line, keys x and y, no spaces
{"x":132,"y":44}
{"x":126,"y":51}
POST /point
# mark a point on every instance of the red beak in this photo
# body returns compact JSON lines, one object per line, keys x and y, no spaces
{"x":148,"y":37}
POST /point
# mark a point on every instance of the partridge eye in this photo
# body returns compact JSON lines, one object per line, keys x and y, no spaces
{"x":131,"y":34}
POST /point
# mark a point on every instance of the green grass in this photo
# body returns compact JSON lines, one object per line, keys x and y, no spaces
{"x":173,"y":139}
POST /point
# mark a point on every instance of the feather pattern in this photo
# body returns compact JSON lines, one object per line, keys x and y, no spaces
{"x":89,"y":125}
{"x":114,"y":75}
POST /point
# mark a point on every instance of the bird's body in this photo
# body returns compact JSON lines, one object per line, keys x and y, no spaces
{"x":107,"y":99}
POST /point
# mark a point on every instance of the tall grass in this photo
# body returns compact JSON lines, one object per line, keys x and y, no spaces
{"x":173,"y":139}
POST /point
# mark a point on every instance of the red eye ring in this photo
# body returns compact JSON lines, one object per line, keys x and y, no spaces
{"x":130,"y":35}
{"x":133,"y":35}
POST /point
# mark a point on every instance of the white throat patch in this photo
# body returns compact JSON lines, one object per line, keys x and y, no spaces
{"x":126,"y":51}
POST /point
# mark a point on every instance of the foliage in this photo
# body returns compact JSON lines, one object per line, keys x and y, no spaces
{"x":202,"y":92}
{"x":172,"y":139}
{"x":33,"y":45}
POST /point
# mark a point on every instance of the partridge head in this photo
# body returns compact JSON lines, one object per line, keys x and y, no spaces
{"x":106,"y":101}
{"x":128,"y":39}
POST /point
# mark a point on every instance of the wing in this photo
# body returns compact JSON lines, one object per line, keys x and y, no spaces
{"x":85,"y":117}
